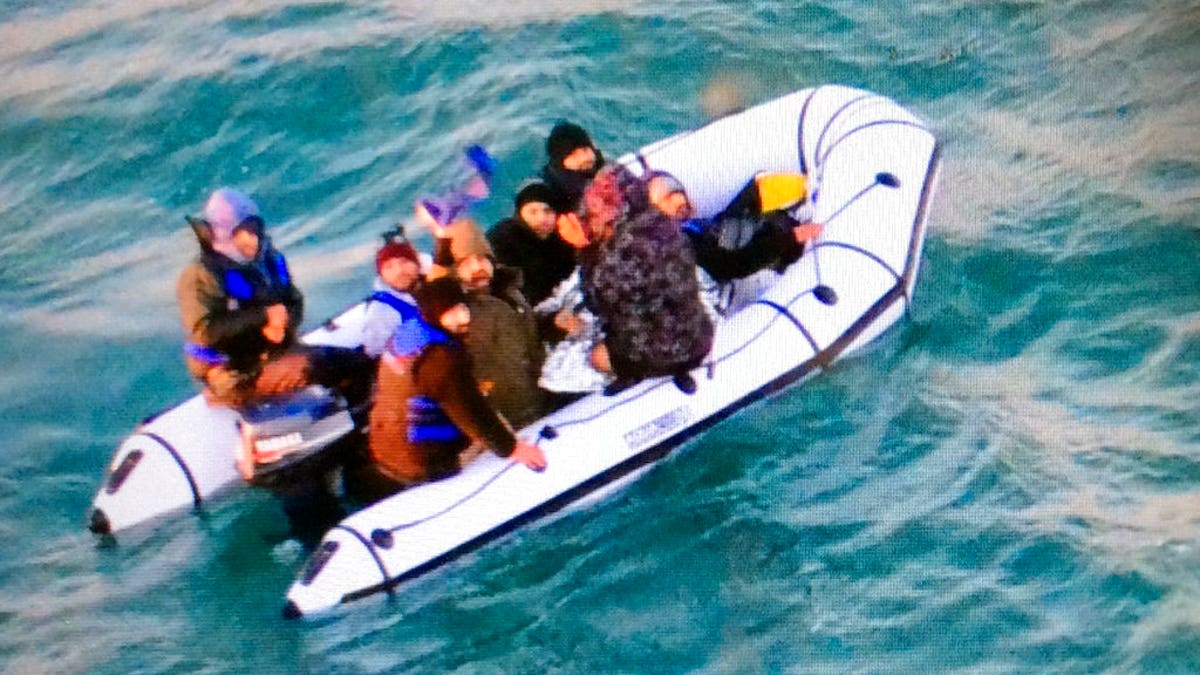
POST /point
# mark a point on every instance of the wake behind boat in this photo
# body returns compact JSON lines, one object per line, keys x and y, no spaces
{"x":872,"y":169}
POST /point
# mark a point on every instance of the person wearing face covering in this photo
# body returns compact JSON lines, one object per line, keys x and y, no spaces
{"x":573,"y":161}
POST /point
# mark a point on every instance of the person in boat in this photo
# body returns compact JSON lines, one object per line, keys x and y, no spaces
{"x":755,"y":232}
{"x":241,"y":310}
{"x":505,"y":340}
{"x":391,"y":303}
{"x":428,"y":408}
{"x":639,"y":277}
{"x":578,"y":364}
{"x":572,"y":162}
{"x":529,"y":241}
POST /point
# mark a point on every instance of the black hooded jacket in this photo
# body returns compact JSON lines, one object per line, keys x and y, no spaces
{"x":544,"y":263}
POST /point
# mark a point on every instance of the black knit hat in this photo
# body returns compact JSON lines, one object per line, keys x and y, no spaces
{"x":564,"y":138}
{"x":438,"y":297}
{"x":534,"y":191}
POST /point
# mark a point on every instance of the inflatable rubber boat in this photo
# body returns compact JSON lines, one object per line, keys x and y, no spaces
{"x":872,"y":168}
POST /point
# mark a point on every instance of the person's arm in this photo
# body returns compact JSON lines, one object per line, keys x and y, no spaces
{"x":769,"y":244}
{"x":555,"y":327}
{"x":443,"y":259}
{"x":445,"y":376}
{"x":554,"y":313}
{"x":458,"y":394}
{"x":504,"y":245}
{"x":723,"y":264}
{"x":205,"y":312}
{"x":295,"y":306}
{"x":380,"y":323}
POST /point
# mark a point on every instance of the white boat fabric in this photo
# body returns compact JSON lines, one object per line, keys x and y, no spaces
{"x":872,"y":168}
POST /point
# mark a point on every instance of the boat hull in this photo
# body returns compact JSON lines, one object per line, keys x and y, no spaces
{"x":872,"y":168}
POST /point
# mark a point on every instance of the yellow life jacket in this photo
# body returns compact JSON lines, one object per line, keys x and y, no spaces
{"x":778,"y":191}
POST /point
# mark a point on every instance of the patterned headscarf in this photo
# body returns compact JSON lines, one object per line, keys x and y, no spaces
{"x":614,"y":194}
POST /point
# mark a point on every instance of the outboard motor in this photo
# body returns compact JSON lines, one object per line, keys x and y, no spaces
{"x":294,"y":446}
{"x":293,"y":437}
{"x":290,"y":445}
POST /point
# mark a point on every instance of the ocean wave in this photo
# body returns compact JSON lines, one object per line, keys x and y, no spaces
{"x":84,"y":52}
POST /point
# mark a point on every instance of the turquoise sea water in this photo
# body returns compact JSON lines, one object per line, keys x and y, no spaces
{"x":1008,"y":482}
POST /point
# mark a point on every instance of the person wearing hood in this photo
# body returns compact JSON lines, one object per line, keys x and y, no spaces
{"x":529,"y":241}
{"x":240,"y":311}
{"x":391,"y":303}
{"x":644,"y":288}
{"x":428,"y":408}
{"x":639,"y":278}
{"x":756,"y":231}
{"x":578,"y":363}
{"x":573,"y":161}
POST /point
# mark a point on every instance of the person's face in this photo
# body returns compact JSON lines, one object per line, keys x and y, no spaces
{"x":475,"y":272}
{"x":600,"y":215}
{"x":539,"y":217}
{"x":456,"y":320}
{"x":672,"y":203}
{"x":399,"y":273}
{"x":246,"y":242}
{"x":677,"y":206}
{"x":580,"y":159}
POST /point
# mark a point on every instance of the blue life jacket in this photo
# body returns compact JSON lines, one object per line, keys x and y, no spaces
{"x":695,"y":226}
{"x":406,"y":310}
{"x":262,"y":282}
{"x":265,"y":282}
{"x":427,"y":422}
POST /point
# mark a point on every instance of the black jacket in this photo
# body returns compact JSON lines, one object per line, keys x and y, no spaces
{"x":544,"y":263}
{"x":568,"y":185}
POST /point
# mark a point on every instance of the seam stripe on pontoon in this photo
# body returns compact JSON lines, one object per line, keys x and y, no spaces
{"x":187,"y":473}
{"x":800,"y":129}
{"x":868,"y":125}
{"x":829,"y":122}
{"x":645,"y":457}
{"x":370,"y":546}
{"x":858,"y":249}
{"x":462,"y":500}
{"x":791,"y":317}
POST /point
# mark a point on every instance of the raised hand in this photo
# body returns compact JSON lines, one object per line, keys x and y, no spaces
{"x":427,"y":219}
